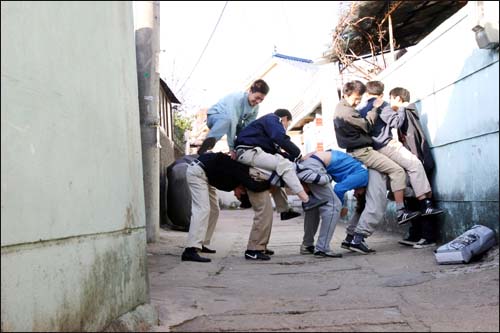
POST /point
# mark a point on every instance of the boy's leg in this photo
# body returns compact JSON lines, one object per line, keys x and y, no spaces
{"x":280,"y":199}
{"x":200,"y":207}
{"x":311,"y":224}
{"x":381,"y":163}
{"x":219,"y":125}
{"x":376,"y":203}
{"x":273,"y":162}
{"x":214,"y":214}
{"x":329,"y":213}
{"x":262,"y":221}
{"x":416,"y":172}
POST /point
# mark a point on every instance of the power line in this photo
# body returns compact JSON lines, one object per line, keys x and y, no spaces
{"x":206,"y":45}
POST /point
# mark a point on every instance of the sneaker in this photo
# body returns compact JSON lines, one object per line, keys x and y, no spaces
{"x":405,"y":215}
{"x":289,"y":215}
{"x":207,"y":144}
{"x":268,"y":252}
{"x":313,"y":203}
{"x":423,"y":243}
{"x":361,"y":248}
{"x":306,"y":249}
{"x":329,"y":254}
{"x":191,"y":254}
{"x":256,"y":255}
{"x":431,"y":211}
{"x":207,"y":250}
{"x":346,"y":243}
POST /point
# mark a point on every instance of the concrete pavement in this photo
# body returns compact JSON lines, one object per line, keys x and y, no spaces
{"x":397,"y":289}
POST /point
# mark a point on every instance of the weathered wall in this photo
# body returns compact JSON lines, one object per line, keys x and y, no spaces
{"x":73,"y":222}
{"x":455,"y":85}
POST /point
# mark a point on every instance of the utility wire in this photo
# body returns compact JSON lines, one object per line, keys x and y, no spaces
{"x":206,"y":45}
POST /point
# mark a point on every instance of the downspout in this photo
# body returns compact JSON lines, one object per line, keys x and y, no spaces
{"x":147,"y":46}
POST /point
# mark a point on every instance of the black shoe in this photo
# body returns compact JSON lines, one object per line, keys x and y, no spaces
{"x":269,"y":252}
{"x":289,"y":215}
{"x":429,"y":210}
{"x":346,"y":243}
{"x":329,"y":254}
{"x":360,"y":247}
{"x":207,"y":144}
{"x":190,"y":254}
{"x":256,"y":255}
{"x":306,"y":249}
{"x":207,"y":250}
{"x":313,"y":203}
{"x":405,"y":215}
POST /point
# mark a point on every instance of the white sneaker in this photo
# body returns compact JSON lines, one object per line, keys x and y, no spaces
{"x":423,"y":243}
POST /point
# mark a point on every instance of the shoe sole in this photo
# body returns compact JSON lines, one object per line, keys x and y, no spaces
{"x":256,"y":258}
{"x":358,"y":250}
{"x":416,"y":246}
{"x":306,"y":253}
{"x":209,"y":260}
{"x":432,"y":214}
{"x":346,"y":247}
{"x":407,"y":243}
{"x":408,"y":220}
{"x":328,"y":256}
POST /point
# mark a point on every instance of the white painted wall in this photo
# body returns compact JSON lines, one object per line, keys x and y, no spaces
{"x":72,"y":232}
{"x":455,"y":85}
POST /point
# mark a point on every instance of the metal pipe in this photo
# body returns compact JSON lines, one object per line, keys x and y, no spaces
{"x":147,"y":45}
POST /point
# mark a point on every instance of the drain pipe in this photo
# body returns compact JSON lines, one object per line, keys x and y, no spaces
{"x":147,"y":46}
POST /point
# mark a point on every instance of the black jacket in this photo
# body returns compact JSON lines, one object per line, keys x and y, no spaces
{"x":226,"y":174}
{"x":268,"y":133}
{"x":412,"y":136}
{"x":351,"y":129}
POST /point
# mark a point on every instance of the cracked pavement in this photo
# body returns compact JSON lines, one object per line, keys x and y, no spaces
{"x":396,"y":289}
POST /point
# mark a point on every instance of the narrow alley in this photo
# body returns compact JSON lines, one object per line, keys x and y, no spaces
{"x":397,"y":289}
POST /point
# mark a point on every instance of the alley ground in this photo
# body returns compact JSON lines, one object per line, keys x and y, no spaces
{"x":396,"y":289}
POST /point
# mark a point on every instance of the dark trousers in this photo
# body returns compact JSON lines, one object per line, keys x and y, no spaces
{"x":422,"y":226}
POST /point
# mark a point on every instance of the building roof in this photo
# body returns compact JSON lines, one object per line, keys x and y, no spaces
{"x":283,"y":56}
{"x":363,"y":29}
{"x":169,"y":92}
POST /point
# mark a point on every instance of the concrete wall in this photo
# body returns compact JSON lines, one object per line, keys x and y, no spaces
{"x":455,"y":85}
{"x":73,"y":237}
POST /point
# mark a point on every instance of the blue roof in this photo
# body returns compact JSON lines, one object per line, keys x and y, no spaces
{"x":278,"y":55}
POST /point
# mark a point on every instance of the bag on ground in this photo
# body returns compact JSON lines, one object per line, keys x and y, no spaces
{"x":462,"y":249}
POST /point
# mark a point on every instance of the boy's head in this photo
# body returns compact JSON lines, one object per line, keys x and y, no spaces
{"x":375,"y":88}
{"x":353,"y":91}
{"x":257,"y":92}
{"x":399,"y":96}
{"x":285,"y":115}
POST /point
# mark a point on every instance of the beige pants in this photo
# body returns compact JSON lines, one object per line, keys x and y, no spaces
{"x":406,"y":159}
{"x":378,"y":161}
{"x":262,"y":221}
{"x":204,"y":207}
{"x":256,"y":157}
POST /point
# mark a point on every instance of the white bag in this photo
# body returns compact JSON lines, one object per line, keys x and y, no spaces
{"x":473,"y":242}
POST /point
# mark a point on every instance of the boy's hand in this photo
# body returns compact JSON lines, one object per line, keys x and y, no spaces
{"x":233,"y":154}
{"x":343,"y":212}
{"x":378,"y":102}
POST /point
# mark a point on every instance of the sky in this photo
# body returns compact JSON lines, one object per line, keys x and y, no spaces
{"x":244,"y":40}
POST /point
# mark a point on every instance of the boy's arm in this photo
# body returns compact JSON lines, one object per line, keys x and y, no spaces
{"x":310,"y":176}
{"x":395,"y":119}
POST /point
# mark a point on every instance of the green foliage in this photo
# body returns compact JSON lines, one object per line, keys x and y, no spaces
{"x":181,"y":125}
